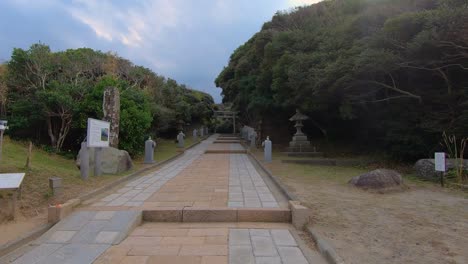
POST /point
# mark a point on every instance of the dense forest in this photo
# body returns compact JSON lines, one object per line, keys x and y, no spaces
{"x":388,"y":75}
{"x":47,"y":97}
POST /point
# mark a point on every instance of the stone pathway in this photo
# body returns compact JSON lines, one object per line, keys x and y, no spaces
{"x":81,"y":237}
{"x":207,"y":243}
{"x":102,"y":231}
{"x":246,"y":186}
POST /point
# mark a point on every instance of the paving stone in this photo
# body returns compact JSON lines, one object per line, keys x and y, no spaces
{"x":263,"y":247}
{"x":121,"y":221}
{"x":89,"y":232}
{"x":239,"y":237}
{"x":174,"y":260}
{"x":119,"y":201}
{"x":292,"y":255}
{"x":38,"y":253}
{"x":283,"y":237}
{"x":61,"y":236}
{"x":75,"y":221}
{"x":104,"y":215}
{"x":75,"y":254}
{"x":133,"y":204}
{"x":268,"y":260}
{"x":110,"y":197}
{"x":260,"y":232}
{"x":235,"y":204}
{"x":270,"y":204}
{"x":241,"y":255}
{"x":106,"y":237}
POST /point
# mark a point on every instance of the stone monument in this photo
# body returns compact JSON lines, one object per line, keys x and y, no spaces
{"x":267,"y":151}
{"x":150,"y":145}
{"x":195,"y":134}
{"x":111,"y":110}
{"x":253,"y":139}
{"x":201,"y":132}
{"x":180,"y":140}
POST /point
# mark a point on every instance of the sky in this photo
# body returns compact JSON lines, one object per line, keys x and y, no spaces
{"x":188,"y":41}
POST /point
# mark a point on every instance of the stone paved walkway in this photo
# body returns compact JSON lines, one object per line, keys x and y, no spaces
{"x":102,"y":231}
{"x":207,"y":243}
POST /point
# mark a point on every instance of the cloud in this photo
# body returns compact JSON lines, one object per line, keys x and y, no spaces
{"x":130,"y":25}
{"x":294,"y":3}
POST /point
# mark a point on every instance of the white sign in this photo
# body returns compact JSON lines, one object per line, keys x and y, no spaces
{"x":11,"y":180}
{"x":98,"y":133}
{"x":440,"y":161}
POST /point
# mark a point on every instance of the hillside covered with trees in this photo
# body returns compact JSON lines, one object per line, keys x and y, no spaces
{"x":47,"y":97}
{"x":389,"y":75}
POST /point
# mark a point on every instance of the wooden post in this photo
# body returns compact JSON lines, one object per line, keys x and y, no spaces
{"x":28,"y":159}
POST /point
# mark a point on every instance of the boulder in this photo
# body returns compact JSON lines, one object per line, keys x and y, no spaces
{"x":113,"y":160}
{"x":378,"y":179}
{"x":425,"y":168}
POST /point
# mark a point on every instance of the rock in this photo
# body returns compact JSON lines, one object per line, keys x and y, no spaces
{"x":425,"y":168}
{"x":114,"y":160}
{"x":378,"y":179}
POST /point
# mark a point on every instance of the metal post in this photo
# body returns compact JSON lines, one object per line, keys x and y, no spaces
{"x":97,"y":161}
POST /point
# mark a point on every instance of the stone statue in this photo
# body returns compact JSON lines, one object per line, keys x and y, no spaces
{"x":180,"y":140}
{"x":150,"y":145}
{"x":267,"y":151}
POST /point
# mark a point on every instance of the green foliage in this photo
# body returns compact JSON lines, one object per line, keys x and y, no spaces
{"x":48,"y":97}
{"x":391,"y":73}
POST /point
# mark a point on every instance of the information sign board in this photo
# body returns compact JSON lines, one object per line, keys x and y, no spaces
{"x":11,"y":180}
{"x":440,"y":162}
{"x":98,"y":133}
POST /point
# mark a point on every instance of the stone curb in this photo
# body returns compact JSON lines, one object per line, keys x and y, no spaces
{"x":325,"y":247}
{"x":22,"y":240}
{"x":275,"y":179}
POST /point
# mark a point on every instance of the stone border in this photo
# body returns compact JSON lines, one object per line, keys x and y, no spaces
{"x":276,"y":181}
{"x":35,"y":233}
{"x":325,"y":247}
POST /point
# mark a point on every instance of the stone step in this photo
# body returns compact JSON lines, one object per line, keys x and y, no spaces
{"x":225,"y":141}
{"x":304,"y":154}
{"x":225,"y":151}
{"x":193,"y":214}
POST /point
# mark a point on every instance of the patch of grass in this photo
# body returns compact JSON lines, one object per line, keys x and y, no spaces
{"x":35,"y":189}
{"x":313,"y":173}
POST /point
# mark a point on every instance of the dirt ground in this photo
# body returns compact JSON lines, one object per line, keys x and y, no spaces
{"x":424,"y":224}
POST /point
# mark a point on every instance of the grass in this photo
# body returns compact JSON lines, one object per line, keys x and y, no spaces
{"x":35,"y":188}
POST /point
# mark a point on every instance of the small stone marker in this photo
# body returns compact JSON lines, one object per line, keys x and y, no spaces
{"x":97,"y":161}
{"x":180,"y":140}
{"x":253,"y":139}
{"x":84,"y":161}
{"x":267,"y":149}
{"x":55,"y":184}
{"x":195,"y":134}
{"x":201,"y":132}
{"x":206,"y":131}
{"x":150,"y":145}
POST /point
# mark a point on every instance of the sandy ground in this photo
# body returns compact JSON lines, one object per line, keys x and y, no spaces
{"x":424,"y":224}
{"x":21,"y":226}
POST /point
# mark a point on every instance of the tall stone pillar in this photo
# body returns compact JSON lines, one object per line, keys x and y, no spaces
{"x":111,"y":110}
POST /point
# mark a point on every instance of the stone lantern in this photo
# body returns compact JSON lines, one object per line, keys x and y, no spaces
{"x":299,"y":141}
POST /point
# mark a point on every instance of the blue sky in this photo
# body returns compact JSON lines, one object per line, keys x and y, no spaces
{"x":189,"y":41}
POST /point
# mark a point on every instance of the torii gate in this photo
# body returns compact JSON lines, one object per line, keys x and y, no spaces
{"x":227,"y":115}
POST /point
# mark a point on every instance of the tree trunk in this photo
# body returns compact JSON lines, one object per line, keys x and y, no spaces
{"x":50,"y":131}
